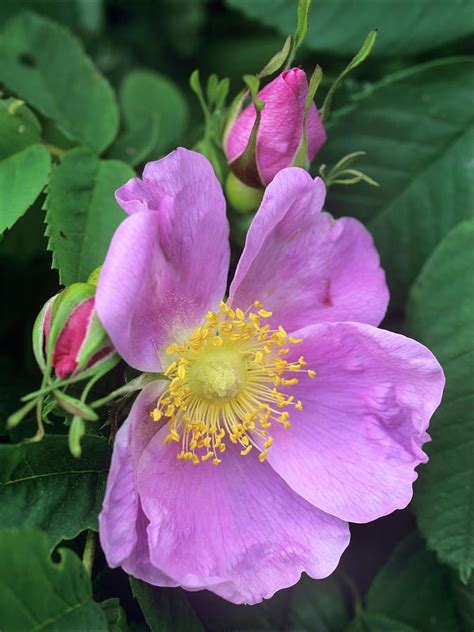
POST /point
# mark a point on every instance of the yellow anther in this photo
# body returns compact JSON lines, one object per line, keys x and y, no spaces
{"x":169,"y":370}
{"x":262,"y":456}
{"x":216,"y":461}
{"x":217,"y":341}
{"x":156,"y":414}
{"x":295,"y":341}
{"x":268,"y":443}
{"x":311,"y":373}
{"x":299,"y":405}
{"x":264,"y":313}
{"x":246,"y":450}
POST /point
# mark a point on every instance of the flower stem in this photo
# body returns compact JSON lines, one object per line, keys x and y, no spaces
{"x":89,"y":552}
{"x":135,"y":385}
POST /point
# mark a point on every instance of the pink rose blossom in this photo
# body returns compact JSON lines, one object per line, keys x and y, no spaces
{"x":282,"y":415}
{"x":280,"y":131}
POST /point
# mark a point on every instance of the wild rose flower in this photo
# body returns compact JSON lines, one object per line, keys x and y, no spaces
{"x":280,"y":131}
{"x":283,"y":413}
{"x":68,"y":331}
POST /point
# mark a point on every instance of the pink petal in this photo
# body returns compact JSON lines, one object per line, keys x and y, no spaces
{"x":353,"y":449}
{"x":315,"y":132}
{"x":168,"y":265}
{"x":305,"y":266}
{"x":122,"y":524}
{"x":236,"y":529}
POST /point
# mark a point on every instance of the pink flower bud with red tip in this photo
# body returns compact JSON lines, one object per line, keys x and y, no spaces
{"x":68,"y":337}
{"x":280,"y":132}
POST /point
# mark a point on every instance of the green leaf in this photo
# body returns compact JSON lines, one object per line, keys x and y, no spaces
{"x":39,"y":594}
{"x":316,"y":605}
{"x":144,"y":95}
{"x":19,"y":127}
{"x":116,"y":619}
{"x":464,"y":598}
{"x":440,"y":315}
{"x":24,"y":164}
{"x":23,"y":176}
{"x":411,"y":593}
{"x":82,"y":212}
{"x":416,"y":128}
{"x":337,"y":26}
{"x":368,"y":622}
{"x":46,"y":65}
{"x":43,"y":486}
{"x":165,"y":609}
{"x":135,"y":145}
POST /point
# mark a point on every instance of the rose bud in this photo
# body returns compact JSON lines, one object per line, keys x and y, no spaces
{"x":67,"y":335}
{"x":280,"y":131}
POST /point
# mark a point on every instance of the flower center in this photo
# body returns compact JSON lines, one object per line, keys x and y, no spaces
{"x":218,"y":374}
{"x":223,"y":385}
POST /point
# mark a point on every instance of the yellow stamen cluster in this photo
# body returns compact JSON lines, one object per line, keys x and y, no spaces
{"x":224,"y":385}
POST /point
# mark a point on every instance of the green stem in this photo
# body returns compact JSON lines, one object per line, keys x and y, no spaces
{"x":89,"y":552}
{"x":51,"y":387}
{"x":135,"y":385}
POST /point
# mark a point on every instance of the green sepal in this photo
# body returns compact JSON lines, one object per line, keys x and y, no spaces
{"x":245,"y":165}
{"x":76,"y":431}
{"x":233,"y":112}
{"x":341,"y":174}
{"x":360,"y":56}
{"x":64,"y":305}
{"x":93,"y":278}
{"x":75,"y":406}
{"x":277,"y":61}
{"x":301,"y":156}
{"x":95,"y":340}
{"x":38,"y":335}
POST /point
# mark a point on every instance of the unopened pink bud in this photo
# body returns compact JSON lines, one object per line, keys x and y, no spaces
{"x":69,"y":332}
{"x":281,"y":128}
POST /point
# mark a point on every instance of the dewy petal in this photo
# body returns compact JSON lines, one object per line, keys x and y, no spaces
{"x":122,"y":524}
{"x":236,"y":529}
{"x":167,"y":265}
{"x":353,"y":449}
{"x":305,"y":266}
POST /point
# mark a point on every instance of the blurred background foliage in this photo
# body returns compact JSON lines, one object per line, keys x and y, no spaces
{"x":409,"y":107}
